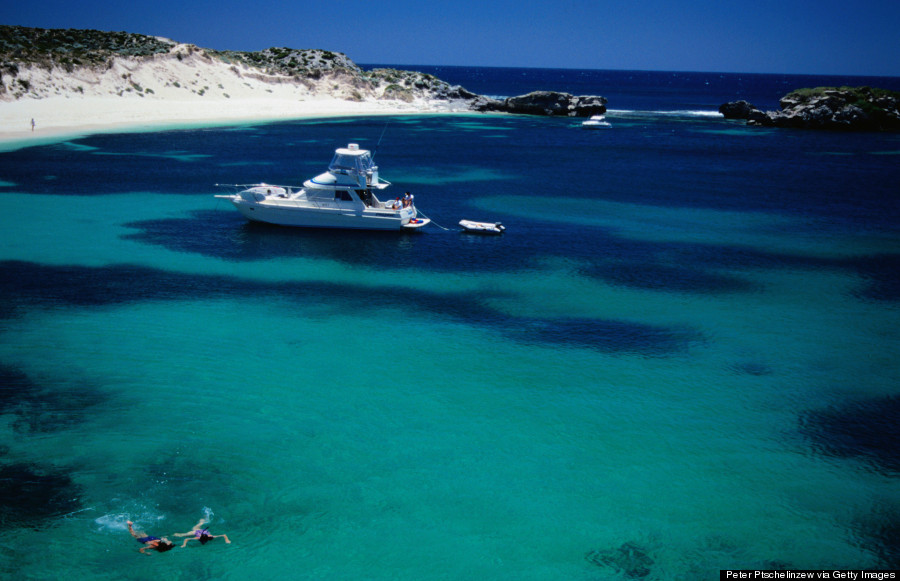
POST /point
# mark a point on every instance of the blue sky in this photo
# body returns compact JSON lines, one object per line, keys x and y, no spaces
{"x":766,"y":36}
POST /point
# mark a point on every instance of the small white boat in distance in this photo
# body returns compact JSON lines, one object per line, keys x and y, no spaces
{"x":482,"y":227}
{"x":343,"y":197}
{"x":596,"y":122}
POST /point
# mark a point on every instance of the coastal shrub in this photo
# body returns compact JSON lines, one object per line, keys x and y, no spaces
{"x":859,"y":94}
{"x":861,"y":108}
{"x":398,"y":93}
{"x":70,"y":49}
{"x":46,"y":47}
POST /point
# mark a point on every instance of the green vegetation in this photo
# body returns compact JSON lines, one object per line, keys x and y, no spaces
{"x":860,"y":96}
{"x":870,"y":100}
{"x":22,"y":48}
{"x":289,"y":61}
{"x":415,"y":79}
{"x":846,"y":108}
{"x":70,"y":47}
{"x":860,"y":93}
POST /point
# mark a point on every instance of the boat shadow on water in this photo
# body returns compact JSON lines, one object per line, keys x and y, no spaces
{"x":227,"y":236}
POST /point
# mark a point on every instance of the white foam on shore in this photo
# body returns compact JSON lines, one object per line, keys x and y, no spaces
{"x":672,"y":113}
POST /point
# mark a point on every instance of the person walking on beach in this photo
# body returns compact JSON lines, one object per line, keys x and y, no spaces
{"x":200,"y":533}
{"x":32,"y":124}
{"x":160,"y":544}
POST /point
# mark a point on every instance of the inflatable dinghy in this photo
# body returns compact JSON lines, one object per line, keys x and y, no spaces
{"x":482,"y":227}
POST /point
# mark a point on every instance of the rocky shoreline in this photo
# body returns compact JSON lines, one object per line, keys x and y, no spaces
{"x":48,"y":63}
{"x":152,"y":79}
{"x":548,"y":103}
{"x":829,"y":108}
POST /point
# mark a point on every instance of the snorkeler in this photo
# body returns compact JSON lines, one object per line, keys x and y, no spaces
{"x":160,"y":544}
{"x":200,"y":533}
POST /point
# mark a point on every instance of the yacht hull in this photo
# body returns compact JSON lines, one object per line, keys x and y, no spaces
{"x":311,"y":217}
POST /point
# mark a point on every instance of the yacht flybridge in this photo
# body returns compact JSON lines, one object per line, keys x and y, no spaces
{"x":343,"y":197}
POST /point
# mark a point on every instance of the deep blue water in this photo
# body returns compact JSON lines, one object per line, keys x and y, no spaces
{"x":680,"y":357}
{"x":645,"y":90}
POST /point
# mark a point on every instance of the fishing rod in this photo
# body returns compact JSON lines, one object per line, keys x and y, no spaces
{"x":377,"y":145}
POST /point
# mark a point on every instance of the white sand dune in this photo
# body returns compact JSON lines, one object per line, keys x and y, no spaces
{"x":183,"y":87}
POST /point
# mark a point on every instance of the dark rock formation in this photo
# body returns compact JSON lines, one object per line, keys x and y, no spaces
{"x":843,"y":109}
{"x":544,"y":103}
{"x":737,"y":110}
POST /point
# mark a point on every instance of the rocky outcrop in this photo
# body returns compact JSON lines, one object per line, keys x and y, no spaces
{"x":544,"y":103}
{"x":840,"y":109}
{"x":737,"y":110}
{"x":743,"y":110}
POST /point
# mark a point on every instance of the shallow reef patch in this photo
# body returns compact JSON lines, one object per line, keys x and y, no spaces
{"x":879,"y":532}
{"x":866,"y":429}
{"x":629,"y":560}
{"x":32,"y":495}
{"x":40,"y":408}
{"x":27,"y":283}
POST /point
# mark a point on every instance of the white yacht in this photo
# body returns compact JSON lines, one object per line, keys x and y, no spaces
{"x":343,"y":197}
{"x":596,"y":122}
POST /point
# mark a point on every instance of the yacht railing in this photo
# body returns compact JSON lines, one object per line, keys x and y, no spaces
{"x":289,"y":189}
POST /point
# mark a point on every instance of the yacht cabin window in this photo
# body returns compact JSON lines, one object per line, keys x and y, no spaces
{"x":355,"y":163}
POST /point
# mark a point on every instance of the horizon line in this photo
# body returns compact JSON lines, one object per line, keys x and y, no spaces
{"x":631,"y":70}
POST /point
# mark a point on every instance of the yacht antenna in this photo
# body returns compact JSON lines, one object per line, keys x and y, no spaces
{"x":380,"y":138}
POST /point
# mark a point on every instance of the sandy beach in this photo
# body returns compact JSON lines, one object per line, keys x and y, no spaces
{"x":60,"y":116}
{"x":183,"y":88}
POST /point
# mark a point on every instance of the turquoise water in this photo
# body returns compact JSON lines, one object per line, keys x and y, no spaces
{"x":646,"y":359}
